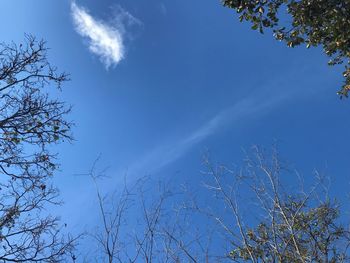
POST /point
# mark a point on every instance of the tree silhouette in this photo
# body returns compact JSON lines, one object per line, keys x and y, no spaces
{"x":30,"y":122}
{"x":324,"y":23}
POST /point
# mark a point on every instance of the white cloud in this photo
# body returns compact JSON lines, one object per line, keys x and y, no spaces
{"x":104,"y":39}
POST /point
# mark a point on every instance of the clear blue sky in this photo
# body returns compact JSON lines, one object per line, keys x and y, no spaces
{"x":191,"y":78}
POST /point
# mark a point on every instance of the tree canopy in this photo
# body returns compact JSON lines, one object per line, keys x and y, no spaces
{"x":30,"y":122}
{"x":324,"y":23}
{"x":258,"y":212}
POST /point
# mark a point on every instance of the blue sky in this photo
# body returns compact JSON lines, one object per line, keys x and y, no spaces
{"x":177,"y":78}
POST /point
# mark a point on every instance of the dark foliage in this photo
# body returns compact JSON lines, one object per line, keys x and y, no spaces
{"x":323,"y":23}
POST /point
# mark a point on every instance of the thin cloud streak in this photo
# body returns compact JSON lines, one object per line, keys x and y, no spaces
{"x":163,"y":155}
{"x":269,"y":98}
{"x":104,"y":40}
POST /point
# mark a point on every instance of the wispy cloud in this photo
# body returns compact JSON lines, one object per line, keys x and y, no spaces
{"x":169,"y":152}
{"x":163,"y":9}
{"x":104,"y":39}
{"x":268,"y":99}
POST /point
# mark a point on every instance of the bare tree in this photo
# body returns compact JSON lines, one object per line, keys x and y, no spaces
{"x":113,"y":213}
{"x":246,"y":214}
{"x":30,"y":122}
{"x":138,"y":224}
{"x":282,"y":225}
